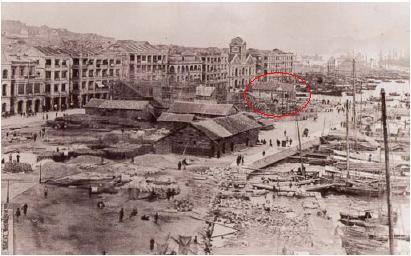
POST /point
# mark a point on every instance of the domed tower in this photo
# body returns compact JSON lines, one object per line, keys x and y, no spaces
{"x":238,"y":46}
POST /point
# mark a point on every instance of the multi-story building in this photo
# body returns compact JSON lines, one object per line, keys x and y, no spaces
{"x":185,"y":67}
{"x":272,"y":61}
{"x":214,"y":67}
{"x":46,"y":78}
{"x":142,"y":61}
{"x":54,"y":68}
{"x":93,"y":74}
{"x":22,"y":86}
{"x":242,"y":66}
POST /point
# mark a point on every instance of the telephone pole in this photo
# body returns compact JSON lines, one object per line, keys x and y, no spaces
{"x":387,"y":172}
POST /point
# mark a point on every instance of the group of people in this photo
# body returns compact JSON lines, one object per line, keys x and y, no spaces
{"x":18,"y":211}
{"x":240,"y":160}
{"x":11,"y":158}
{"x":182,"y":164}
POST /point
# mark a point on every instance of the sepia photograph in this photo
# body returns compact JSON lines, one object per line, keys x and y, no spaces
{"x":199,"y":128}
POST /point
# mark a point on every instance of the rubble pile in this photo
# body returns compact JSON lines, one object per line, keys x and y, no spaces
{"x":15,"y":167}
{"x":183,"y":205}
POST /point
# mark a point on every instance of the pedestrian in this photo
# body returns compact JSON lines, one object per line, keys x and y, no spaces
{"x":152,"y":244}
{"x":134,"y":212}
{"x":121,"y":215}
{"x":271,"y":143}
{"x":18,"y":158}
{"x":179,"y":165}
{"x":238,"y":160}
{"x":18,"y":213}
{"x":45,"y":192}
{"x":278,"y":142}
{"x":263,"y":152}
{"x":291,"y":141}
{"x":156,"y":218}
{"x":242,"y":160}
{"x":25,"y":206}
{"x":285,"y":133}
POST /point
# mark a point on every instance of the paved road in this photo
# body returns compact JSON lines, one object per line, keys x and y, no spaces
{"x":19,"y":121}
{"x":325,"y":121}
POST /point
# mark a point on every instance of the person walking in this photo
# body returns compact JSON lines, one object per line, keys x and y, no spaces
{"x":18,"y":158}
{"x":18,"y":213}
{"x":271,"y":143}
{"x":152,"y":244}
{"x":156,"y":218}
{"x":263,"y":152}
{"x":278,"y":143}
{"x":121,"y":215}
{"x":291,"y":141}
{"x":25,"y":207}
{"x":179,"y":165}
{"x":46,"y":192}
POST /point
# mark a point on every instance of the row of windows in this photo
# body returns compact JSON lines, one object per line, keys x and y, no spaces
{"x":57,"y":62}
{"x":148,"y":58}
{"x":57,"y":74}
{"x":184,"y":68}
{"x":99,"y":73}
{"x":98,"y":62}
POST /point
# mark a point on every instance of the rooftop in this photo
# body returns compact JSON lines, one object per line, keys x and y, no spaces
{"x":117,"y":104}
{"x":228,"y":126}
{"x":172,"y":117}
{"x":181,"y":107}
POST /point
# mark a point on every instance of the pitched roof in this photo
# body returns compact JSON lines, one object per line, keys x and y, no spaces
{"x":181,"y":107}
{"x":94,"y":103}
{"x":67,"y":51}
{"x":172,"y":117}
{"x":205,"y":91}
{"x":135,"y":46}
{"x":124,"y":104}
{"x":117,"y":104}
{"x":223,"y":127}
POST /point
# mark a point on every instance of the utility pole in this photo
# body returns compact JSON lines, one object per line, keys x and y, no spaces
{"x":299,"y":143}
{"x":353,"y":103}
{"x":40,"y":175}
{"x":8,"y":192}
{"x":387,"y":172}
{"x":348,"y":137}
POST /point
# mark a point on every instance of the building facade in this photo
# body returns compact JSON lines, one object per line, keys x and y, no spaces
{"x":242,"y":66}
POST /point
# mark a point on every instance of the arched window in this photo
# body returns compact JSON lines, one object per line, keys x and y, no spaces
{"x":5,"y":73}
{"x":4,"y":90}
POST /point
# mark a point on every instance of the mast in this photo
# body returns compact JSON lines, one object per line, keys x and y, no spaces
{"x":299,"y":143}
{"x":387,"y":172}
{"x":353,"y":103}
{"x":348,"y":137}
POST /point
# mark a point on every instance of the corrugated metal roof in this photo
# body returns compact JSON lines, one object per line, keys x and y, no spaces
{"x":124,"y":104}
{"x":223,"y":127}
{"x":172,"y":117}
{"x":135,"y":46}
{"x":181,"y":107}
{"x":94,"y":103}
{"x":204,"y":91}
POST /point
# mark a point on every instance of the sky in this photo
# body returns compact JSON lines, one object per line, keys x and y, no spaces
{"x":300,"y":27}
